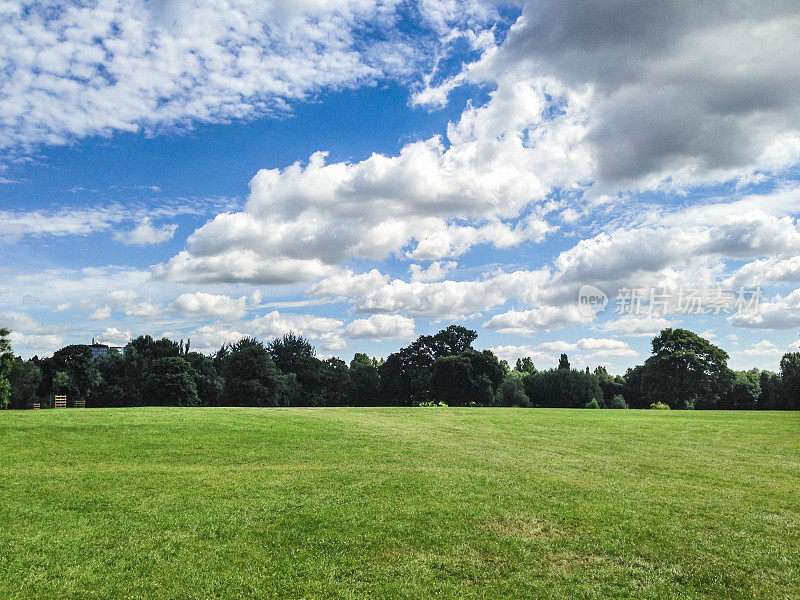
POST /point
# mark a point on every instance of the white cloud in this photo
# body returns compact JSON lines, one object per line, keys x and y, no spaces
{"x":636,"y":325}
{"x":429,"y":202}
{"x":681,"y":93}
{"x":381,"y":327}
{"x":102,"y":313}
{"x":582,"y":352}
{"x":527,"y":322}
{"x":114,"y":337}
{"x":436,"y":271}
{"x":150,"y":65}
{"x":210,"y":305}
{"x":144,"y":234}
{"x":777,"y":313}
{"x":762,"y":348}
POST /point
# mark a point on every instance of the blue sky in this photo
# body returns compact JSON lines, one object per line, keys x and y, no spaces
{"x":366,"y":172}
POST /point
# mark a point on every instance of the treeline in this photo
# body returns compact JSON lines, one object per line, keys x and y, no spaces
{"x":685,"y":371}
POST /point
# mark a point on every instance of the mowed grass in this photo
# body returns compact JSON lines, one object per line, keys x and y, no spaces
{"x":398,"y":503}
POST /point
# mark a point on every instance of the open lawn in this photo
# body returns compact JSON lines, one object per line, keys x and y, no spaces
{"x":398,"y":503}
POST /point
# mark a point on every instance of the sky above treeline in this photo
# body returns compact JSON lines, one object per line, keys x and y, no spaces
{"x":560,"y":176}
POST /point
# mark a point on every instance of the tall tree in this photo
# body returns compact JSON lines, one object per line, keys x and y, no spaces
{"x":79,"y":365}
{"x":6,"y":362}
{"x":170,"y":382}
{"x":251,"y":378}
{"x":25,"y":379}
{"x":563,"y":362}
{"x":790,"y":375}
{"x":686,"y":371}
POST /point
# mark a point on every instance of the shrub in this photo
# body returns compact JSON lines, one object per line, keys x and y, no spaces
{"x":618,"y":402}
{"x":659,"y":406}
{"x":592,"y":403}
{"x":430,"y":403}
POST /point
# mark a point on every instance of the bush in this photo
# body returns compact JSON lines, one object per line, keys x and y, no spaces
{"x":592,"y":403}
{"x":618,"y":402}
{"x":659,"y":406}
{"x":428,"y":404}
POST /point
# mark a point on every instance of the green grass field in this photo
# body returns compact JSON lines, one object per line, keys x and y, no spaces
{"x":398,"y":503}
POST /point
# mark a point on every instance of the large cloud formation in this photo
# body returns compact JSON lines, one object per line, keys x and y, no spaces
{"x":71,"y":70}
{"x":681,"y":92}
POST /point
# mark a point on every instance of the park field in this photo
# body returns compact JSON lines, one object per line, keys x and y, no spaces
{"x":171,"y":503}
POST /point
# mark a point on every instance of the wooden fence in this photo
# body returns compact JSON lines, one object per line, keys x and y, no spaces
{"x":80,"y":403}
{"x":60,"y":402}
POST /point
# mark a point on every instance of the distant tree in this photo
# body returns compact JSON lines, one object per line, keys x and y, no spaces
{"x":617,"y":402}
{"x":772,"y":392}
{"x":118,"y":385}
{"x":610,"y":385}
{"x":6,"y":363}
{"x":364,"y":381}
{"x":790,"y":376}
{"x":291,"y":352}
{"x":170,"y":382}
{"x":62,"y":382}
{"x":633,"y":387}
{"x":563,"y":362}
{"x":512,"y":390}
{"x":745,"y":390}
{"x":686,"y":371}
{"x":562,"y":388}
{"x":251,"y":378}
{"x":453,"y":340}
{"x":335,"y":382}
{"x":406,"y":374}
{"x":208,"y":382}
{"x":25,"y":379}
{"x":79,"y":365}
{"x":524,"y":365}
{"x":471,"y":377}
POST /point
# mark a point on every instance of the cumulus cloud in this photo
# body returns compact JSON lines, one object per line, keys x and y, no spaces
{"x":580,"y":352}
{"x":433,"y":200}
{"x":762,"y":348}
{"x":681,"y":93}
{"x":780,"y":312}
{"x":114,"y":337}
{"x":101,"y":313}
{"x":381,"y":327}
{"x":636,"y":325}
{"x":436,"y":271}
{"x":526,"y":322}
{"x":210,"y":305}
{"x":145,"y":234}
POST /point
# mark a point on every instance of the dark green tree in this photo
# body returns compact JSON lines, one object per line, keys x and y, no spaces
{"x":25,"y":379}
{"x":6,"y":362}
{"x":170,"y":382}
{"x":251,"y":378}
{"x":686,"y":371}
{"x":745,"y":390}
{"x":468,"y":378}
{"x":524,"y":366}
{"x":563,"y":362}
{"x":790,"y":376}
{"x":512,"y":390}
{"x":562,"y":388}
{"x":772,"y":393}
{"x":79,"y":365}
{"x":208,"y":382}
{"x":365,"y":381}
